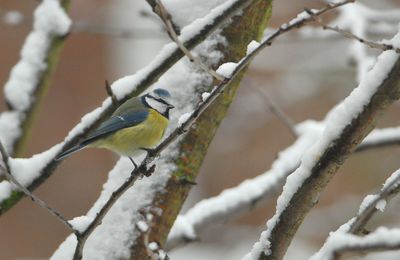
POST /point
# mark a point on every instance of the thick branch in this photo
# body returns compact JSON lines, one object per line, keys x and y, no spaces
{"x":36,"y":88}
{"x":284,"y":224}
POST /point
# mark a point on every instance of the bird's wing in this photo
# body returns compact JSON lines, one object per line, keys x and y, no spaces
{"x":116,"y":122}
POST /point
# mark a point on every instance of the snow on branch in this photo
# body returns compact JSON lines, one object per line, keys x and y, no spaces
{"x":27,"y":77}
{"x":122,"y":89}
{"x":358,"y":21}
{"x":346,"y":126}
{"x":346,"y":237}
{"x":235,"y":201}
{"x":382,"y":239}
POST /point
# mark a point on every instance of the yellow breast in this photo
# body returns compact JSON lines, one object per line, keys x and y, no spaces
{"x":127,"y":141}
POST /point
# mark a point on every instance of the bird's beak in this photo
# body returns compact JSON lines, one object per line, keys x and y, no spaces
{"x":170,"y":106}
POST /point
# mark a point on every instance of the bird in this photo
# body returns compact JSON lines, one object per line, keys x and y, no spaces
{"x":137,"y":124}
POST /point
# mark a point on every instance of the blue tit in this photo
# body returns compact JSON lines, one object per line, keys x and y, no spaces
{"x":139,"y":123}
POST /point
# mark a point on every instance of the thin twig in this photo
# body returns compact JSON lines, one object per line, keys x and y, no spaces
{"x":390,"y":190}
{"x":277,"y":111}
{"x":160,"y":10}
{"x":350,"y":35}
{"x":111,"y":94}
{"x":34,"y":198}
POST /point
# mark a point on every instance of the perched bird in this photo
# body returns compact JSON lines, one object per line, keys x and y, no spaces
{"x":139,"y":123}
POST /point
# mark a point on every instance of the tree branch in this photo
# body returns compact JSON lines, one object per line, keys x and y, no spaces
{"x":322,"y":162}
{"x":24,"y":96}
{"x":160,"y":10}
{"x":39,"y":202}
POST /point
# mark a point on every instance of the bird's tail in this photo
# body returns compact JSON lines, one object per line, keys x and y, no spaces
{"x":71,"y":150}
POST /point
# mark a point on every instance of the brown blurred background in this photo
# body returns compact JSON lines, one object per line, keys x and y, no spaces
{"x":305,"y":77}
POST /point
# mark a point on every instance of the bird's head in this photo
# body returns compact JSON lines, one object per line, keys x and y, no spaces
{"x":159,"y":100}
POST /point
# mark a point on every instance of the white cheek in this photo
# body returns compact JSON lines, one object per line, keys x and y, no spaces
{"x":160,"y":107}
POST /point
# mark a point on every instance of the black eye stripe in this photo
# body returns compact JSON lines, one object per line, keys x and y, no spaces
{"x":158,"y":99}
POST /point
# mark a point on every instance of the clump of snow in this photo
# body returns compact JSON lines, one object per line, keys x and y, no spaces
{"x":183,"y":227}
{"x":153,"y":246}
{"x":227,"y":69}
{"x":6,"y":188}
{"x":81,"y":223}
{"x":142,"y":226}
{"x":205,"y":95}
{"x":252,"y":46}
{"x":13,"y":17}
{"x":366,"y":202}
{"x":183,"y":118}
{"x":185,"y":12}
{"x":381,"y":205}
{"x":9,"y":128}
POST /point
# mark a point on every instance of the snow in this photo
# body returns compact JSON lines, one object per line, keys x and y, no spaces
{"x":142,"y":226}
{"x":153,"y":246}
{"x":204,"y":96}
{"x":49,"y":20}
{"x":382,"y":135}
{"x":9,"y":128}
{"x":252,"y":46}
{"x":25,"y":170}
{"x":185,"y":12}
{"x":367,"y":202}
{"x":381,"y":205}
{"x":342,"y":240}
{"x":81,"y":223}
{"x":336,"y":121}
{"x":183,"y":118}
{"x":227,"y":69}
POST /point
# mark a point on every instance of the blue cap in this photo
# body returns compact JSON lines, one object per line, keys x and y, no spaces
{"x":162,"y":92}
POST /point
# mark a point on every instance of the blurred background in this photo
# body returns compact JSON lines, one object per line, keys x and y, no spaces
{"x":305,"y":77}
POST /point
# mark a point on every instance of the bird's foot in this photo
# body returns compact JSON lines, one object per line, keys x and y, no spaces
{"x":147,"y":171}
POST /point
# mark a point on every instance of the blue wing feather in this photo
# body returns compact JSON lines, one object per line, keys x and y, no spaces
{"x":129,"y":118}
{"x":117,"y":122}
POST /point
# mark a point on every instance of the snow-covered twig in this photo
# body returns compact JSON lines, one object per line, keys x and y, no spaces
{"x":130,"y":86}
{"x":370,"y":205}
{"x":381,"y":138}
{"x":350,"y":35}
{"x":342,"y":239}
{"x":382,"y":239}
{"x":7,"y":171}
{"x":160,"y":10}
{"x":30,"y":76}
{"x":346,"y":126}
